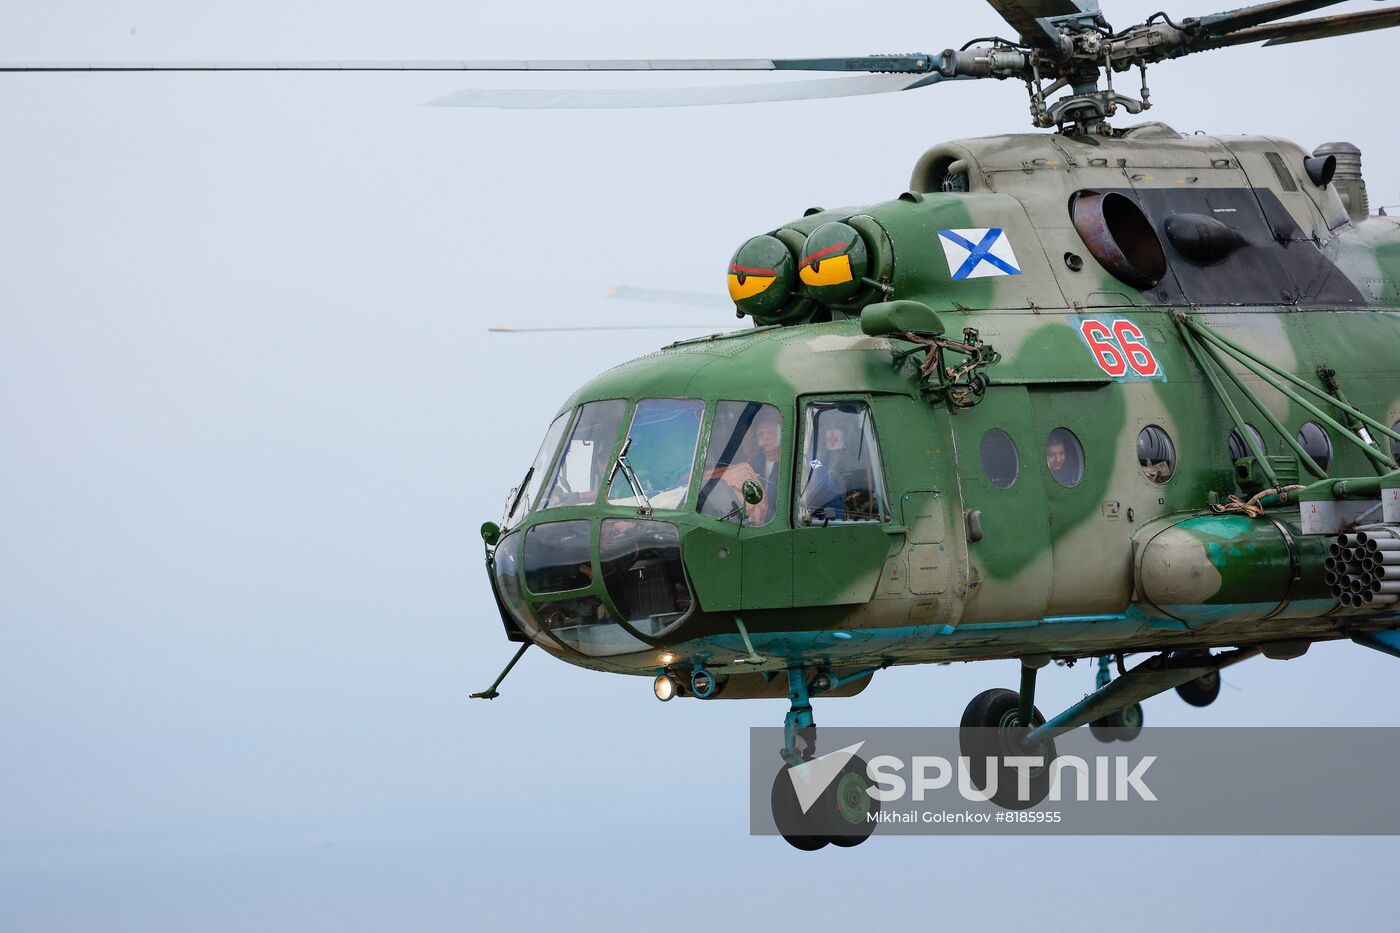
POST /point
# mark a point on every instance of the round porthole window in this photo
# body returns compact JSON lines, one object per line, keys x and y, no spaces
{"x":1238,"y":446}
{"x":1000,"y":462}
{"x":1064,"y":457}
{"x":1318,"y":445}
{"x":1156,"y":454}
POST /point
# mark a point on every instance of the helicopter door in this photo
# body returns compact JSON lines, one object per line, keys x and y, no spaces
{"x":1000,"y":468}
{"x":1092,"y":563}
{"x":745,"y":562}
{"x":841,"y":509}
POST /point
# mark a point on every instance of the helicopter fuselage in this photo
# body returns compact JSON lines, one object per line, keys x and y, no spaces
{"x":1090,"y":497}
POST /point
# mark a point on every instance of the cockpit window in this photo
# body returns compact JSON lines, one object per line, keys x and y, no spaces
{"x":523,"y":496}
{"x":558,"y":558}
{"x":641,"y":570}
{"x":641,"y":563}
{"x":505,"y":565}
{"x":841,"y":477}
{"x":658,"y":454}
{"x":587,"y":455}
{"x":584,"y":625}
{"x":746,"y":443}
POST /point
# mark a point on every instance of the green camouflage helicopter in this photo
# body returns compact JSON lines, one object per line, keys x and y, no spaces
{"x":1089,"y":393}
{"x":1081,"y":394}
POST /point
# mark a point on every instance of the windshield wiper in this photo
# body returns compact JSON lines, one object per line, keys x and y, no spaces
{"x":519,"y":493}
{"x":621,"y":464}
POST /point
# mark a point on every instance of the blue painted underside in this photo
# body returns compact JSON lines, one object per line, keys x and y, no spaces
{"x":1388,"y":642}
{"x":1051,"y":635}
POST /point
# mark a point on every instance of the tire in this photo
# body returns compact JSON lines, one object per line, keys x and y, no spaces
{"x":848,"y":807}
{"x":1129,"y":722}
{"x":801,"y":830}
{"x":989,"y":730}
{"x":1103,"y":730}
{"x":1202,"y":691}
{"x":1122,"y":725}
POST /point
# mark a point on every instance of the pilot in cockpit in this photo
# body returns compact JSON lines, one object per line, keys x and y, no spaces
{"x":747,"y":447}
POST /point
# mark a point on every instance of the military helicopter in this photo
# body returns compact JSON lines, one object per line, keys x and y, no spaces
{"x":1082,"y":394}
{"x":1091,"y":393}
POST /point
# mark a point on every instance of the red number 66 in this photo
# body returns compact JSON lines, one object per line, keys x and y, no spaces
{"x":1118,"y":347}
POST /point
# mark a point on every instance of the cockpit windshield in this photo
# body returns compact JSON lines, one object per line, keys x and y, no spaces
{"x":586,"y":457}
{"x":841,"y":476}
{"x":658,"y":454}
{"x":523,"y":496}
{"x":745,"y":444}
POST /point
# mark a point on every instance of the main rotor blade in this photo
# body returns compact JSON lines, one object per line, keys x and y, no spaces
{"x":433,"y":65}
{"x":574,"y":330}
{"x":1306,"y":29}
{"x":1220,"y":23}
{"x":669,"y":297}
{"x":912,"y":63}
{"x":1022,"y":14}
{"x":1327,"y":26}
{"x":607,"y":99}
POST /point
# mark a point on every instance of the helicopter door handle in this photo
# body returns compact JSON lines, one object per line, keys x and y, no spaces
{"x":973,"y":517}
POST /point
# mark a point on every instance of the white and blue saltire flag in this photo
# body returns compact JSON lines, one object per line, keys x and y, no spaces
{"x":978,"y":252}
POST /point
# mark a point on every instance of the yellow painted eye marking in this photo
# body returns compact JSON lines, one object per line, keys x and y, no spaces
{"x":746,"y":284}
{"x":834,"y":270}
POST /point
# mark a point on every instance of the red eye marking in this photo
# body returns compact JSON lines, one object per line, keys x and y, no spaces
{"x":816,"y":257}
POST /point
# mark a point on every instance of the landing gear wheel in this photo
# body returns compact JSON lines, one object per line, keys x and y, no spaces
{"x":848,"y":807}
{"x":1103,"y":730}
{"x":1129,"y":722}
{"x":801,"y":830}
{"x":1202,"y":691}
{"x":991,"y":729}
{"x":1121,"y":726}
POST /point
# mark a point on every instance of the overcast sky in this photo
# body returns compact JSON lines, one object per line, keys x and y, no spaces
{"x":250,"y":420}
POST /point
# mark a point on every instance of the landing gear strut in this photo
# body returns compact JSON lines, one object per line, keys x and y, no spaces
{"x":1007,"y":740}
{"x":810,"y":806}
{"x":1153,"y":676}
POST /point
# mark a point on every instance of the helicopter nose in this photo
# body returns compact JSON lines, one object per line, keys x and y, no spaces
{"x":599,"y":587}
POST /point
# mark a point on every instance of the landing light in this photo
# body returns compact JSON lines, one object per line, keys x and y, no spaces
{"x":667,"y":659}
{"x":702,"y":683}
{"x":665,"y":687}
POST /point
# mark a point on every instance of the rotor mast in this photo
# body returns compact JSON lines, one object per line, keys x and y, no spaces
{"x":1073,"y":47}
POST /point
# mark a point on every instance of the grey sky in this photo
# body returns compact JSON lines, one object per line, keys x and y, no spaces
{"x":250,"y":420}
